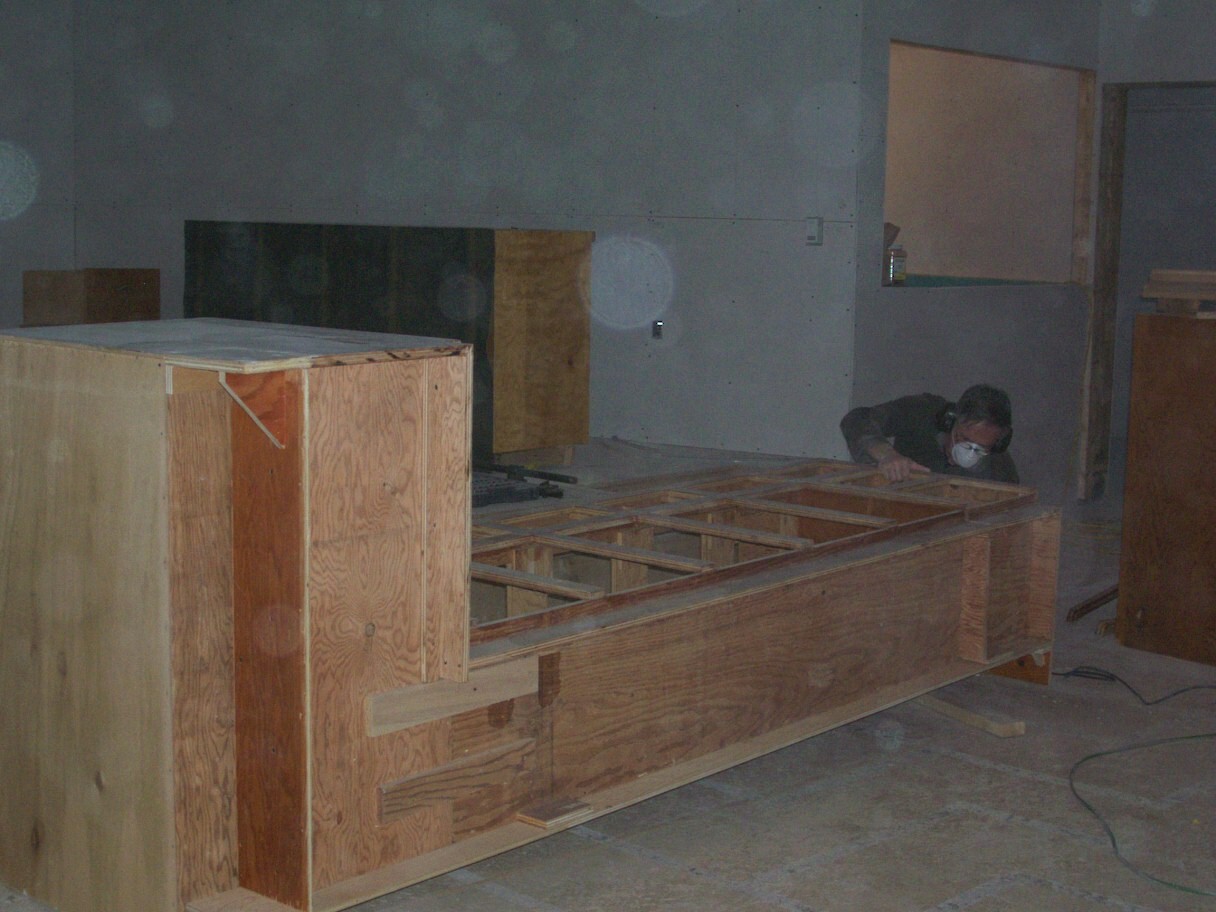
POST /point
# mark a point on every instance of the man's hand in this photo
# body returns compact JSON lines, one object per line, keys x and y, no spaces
{"x":896,"y":467}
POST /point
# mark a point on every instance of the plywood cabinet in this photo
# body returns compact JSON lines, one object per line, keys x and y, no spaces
{"x":1167,"y":573}
{"x":257,"y":654}
{"x":216,"y":537}
{"x":521,"y":298}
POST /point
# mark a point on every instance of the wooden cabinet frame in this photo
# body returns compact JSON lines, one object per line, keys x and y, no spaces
{"x":294,"y":564}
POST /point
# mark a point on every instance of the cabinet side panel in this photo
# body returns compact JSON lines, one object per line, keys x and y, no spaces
{"x":368,"y":608}
{"x":86,"y":820}
{"x":542,"y":338}
{"x":269,"y":649}
{"x":448,"y":532}
{"x":1166,"y":574}
{"x":640,"y":698}
{"x":200,"y":569}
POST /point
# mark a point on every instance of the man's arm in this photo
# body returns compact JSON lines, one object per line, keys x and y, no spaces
{"x":866,"y":430}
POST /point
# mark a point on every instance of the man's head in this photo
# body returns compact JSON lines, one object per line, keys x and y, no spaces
{"x":987,"y":404}
{"x":982,"y":423}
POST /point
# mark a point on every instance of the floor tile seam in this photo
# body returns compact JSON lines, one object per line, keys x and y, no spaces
{"x":1033,"y":823}
{"x":1050,"y":779}
{"x":743,"y":795}
{"x":868,"y":840}
{"x":887,"y":834}
{"x":501,"y":891}
{"x":744,"y":887}
{"x":1005,"y":882}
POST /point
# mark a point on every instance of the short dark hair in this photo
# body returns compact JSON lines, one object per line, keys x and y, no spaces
{"x":985,"y":403}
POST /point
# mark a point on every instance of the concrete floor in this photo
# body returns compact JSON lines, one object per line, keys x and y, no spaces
{"x":907,"y":809}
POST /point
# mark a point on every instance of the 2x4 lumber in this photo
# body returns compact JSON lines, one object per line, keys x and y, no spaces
{"x":448,"y":383}
{"x":793,"y":509}
{"x":1181,"y":284}
{"x":724,"y":530}
{"x":561,"y":543}
{"x":415,"y":704}
{"x":270,"y":683}
{"x":556,"y":627}
{"x":521,"y":579}
{"x":871,"y":502}
{"x":1093,"y":603}
{"x":997,"y":724}
{"x":560,"y":812}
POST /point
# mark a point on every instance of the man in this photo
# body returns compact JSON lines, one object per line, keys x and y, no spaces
{"x":925,"y":433}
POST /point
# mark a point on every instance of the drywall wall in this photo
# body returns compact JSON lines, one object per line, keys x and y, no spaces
{"x":1169,"y":220}
{"x":36,"y":139}
{"x":1029,"y":339}
{"x":700,"y":139}
{"x":697,"y":138}
{"x":1158,"y":41}
{"x":981,"y":164}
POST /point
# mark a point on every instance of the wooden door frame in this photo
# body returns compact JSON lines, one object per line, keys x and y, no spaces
{"x":1094,"y":458}
{"x":1094,"y":438}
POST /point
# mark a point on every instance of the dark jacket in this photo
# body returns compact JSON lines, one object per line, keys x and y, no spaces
{"x":911,"y":425}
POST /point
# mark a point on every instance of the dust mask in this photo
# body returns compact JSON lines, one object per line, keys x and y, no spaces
{"x":967,"y":455}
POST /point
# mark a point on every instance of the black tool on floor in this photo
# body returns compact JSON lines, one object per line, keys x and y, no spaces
{"x":494,"y":483}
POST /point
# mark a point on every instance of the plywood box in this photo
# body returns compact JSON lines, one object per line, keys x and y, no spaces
{"x":216,"y":537}
{"x":275,"y":662}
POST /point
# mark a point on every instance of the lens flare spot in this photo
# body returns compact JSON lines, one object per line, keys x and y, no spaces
{"x":18,"y":180}
{"x":632,"y":283}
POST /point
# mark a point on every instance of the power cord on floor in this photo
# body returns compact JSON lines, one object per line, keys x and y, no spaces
{"x":1094,"y":673}
{"x":1090,"y":672}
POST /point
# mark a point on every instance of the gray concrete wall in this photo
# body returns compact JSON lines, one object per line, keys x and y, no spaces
{"x":36,"y":138}
{"x":696,"y":137}
{"x":1169,"y":220}
{"x":1169,"y":196}
{"x":1029,"y":339}
{"x":1158,"y":41}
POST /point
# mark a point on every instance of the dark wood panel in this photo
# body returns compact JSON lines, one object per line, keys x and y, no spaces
{"x":1167,"y":574}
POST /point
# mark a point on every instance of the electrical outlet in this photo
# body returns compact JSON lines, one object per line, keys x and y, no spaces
{"x":814,"y":231}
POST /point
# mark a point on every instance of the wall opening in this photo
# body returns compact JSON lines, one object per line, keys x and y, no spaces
{"x":988,"y":165}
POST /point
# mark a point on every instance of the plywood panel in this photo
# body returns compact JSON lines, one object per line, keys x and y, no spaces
{"x":448,"y":392}
{"x":541,"y":338}
{"x":368,"y":429}
{"x":200,"y":573}
{"x":1167,"y":573}
{"x":86,"y":820}
{"x":651,"y":695}
{"x":269,"y":638}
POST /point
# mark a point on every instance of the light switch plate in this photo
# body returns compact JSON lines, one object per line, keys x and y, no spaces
{"x":814,"y":231}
